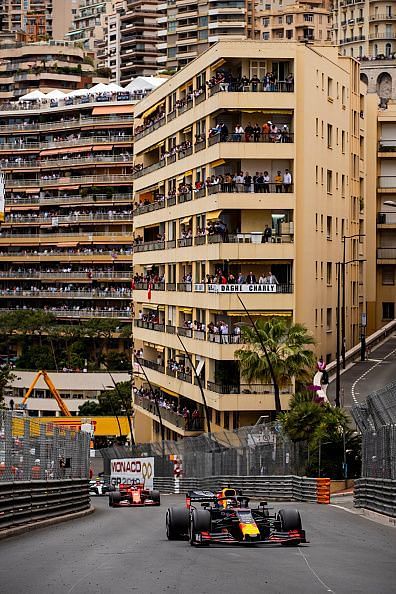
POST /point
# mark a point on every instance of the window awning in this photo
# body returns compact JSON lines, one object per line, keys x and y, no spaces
{"x":186,"y":310}
{"x":52,"y":151}
{"x":68,"y":244}
{"x":151,"y":306}
{"x":217,"y":64}
{"x":213,"y":216}
{"x":32,"y":190}
{"x":105,"y":109}
{"x":169,"y":392}
{"x":62,"y":151}
{"x":67,"y":187}
{"x":187,"y":173}
{"x":102,"y":147}
{"x":152,"y":109}
{"x":274,"y":314}
{"x":217,"y":163}
{"x":185,"y":220}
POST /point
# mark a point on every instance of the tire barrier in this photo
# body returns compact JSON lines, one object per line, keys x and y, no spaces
{"x":323,"y":490}
{"x":26,"y":502}
{"x":272,"y":488}
{"x":378,"y":495}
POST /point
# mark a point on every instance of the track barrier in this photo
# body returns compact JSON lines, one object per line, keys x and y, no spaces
{"x":275,"y":488}
{"x":27,"y":502}
{"x":376,"y":494}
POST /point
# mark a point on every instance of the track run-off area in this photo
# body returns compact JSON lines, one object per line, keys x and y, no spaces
{"x":125,"y":550}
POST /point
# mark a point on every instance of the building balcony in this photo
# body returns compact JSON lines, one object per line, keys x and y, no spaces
{"x":80,"y":313}
{"x":59,"y":294}
{"x":217,"y":399}
{"x":387,"y":148}
{"x":66,"y":255}
{"x":234,"y":247}
{"x":70,"y":240}
{"x":71,"y":219}
{"x":66,"y":276}
{"x":386,"y":255}
{"x":390,"y":35}
{"x":386,"y":183}
{"x":170,"y":419}
{"x":386,"y":220}
{"x":113,"y":199}
{"x":382,"y":17}
{"x":60,"y":182}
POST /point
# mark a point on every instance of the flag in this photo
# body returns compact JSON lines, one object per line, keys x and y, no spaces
{"x":133,"y":284}
{"x":149,"y":291}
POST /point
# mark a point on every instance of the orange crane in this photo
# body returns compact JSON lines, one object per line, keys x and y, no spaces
{"x":66,"y":412}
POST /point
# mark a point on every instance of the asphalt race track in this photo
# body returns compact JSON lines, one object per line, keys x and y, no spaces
{"x":125,"y":550}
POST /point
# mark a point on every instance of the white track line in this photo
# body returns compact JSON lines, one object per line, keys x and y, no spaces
{"x":325,"y":586}
{"x":379,"y":361}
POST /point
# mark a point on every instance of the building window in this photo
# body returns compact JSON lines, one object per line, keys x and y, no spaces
{"x":308,"y":18}
{"x":329,"y":227}
{"x":217,"y":418}
{"x":329,"y":136}
{"x":266,"y":36}
{"x":388,"y":311}
{"x":329,"y":182}
{"x":289,"y":34}
{"x":388,"y":50}
{"x":329,"y":320}
{"x":329,"y":273}
{"x":343,"y":141}
{"x":329,"y":87}
{"x":266,"y":22}
{"x":226,"y":420}
{"x":289,"y":19}
{"x":388,"y":275}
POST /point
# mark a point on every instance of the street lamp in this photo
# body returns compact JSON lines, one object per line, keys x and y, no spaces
{"x":343,"y":339}
{"x":338,"y":363}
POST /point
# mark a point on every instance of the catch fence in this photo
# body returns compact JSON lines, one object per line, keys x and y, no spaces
{"x":30,"y":450}
{"x":259,"y":450}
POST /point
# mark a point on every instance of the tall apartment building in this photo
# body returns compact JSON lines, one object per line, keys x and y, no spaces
{"x":364,"y":28}
{"x":40,"y":19}
{"x":65,"y":243}
{"x":199,"y":235}
{"x":187,"y":28}
{"x":109,"y":50}
{"x":43,"y":66}
{"x":89,"y":22}
{"x":292,"y":20}
{"x":381,"y":213}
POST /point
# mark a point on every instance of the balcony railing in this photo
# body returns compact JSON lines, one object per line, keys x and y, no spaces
{"x":62,"y":181}
{"x":15,"y":293}
{"x":143,"y":286}
{"x":245,"y":238}
{"x":157,"y":205}
{"x":242,"y":388}
{"x":172,"y":417}
{"x":386,"y":218}
{"x":62,"y":163}
{"x":66,"y":276}
{"x":48,"y":200}
{"x":387,"y":146}
{"x":238,"y":87}
{"x":70,"y":219}
{"x":79,"y":313}
{"x":149,"y":325}
{"x":278,"y":137}
{"x":185,"y":242}
{"x":386,"y":253}
{"x":151,"y":365}
{"x":149,"y":246}
{"x":387,"y":181}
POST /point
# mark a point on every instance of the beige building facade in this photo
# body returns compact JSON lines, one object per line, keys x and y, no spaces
{"x":41,"y":19}
{"x":187,"y":28}
{"x":293,"y":21}
{"x":381,"y":214}
{"x":273,"y":234}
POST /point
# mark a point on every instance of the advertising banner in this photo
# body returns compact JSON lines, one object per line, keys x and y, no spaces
{"x":132,"y":471}
{"x":258,"y":288}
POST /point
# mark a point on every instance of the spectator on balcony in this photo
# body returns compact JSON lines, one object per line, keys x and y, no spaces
{"x":195,"y":419}
{"x":289,"y":82}
{"x":247,"y":182}
{"x":239,"y":182}
{"x":255,"y":81}
{"x":267,"y":82}
{"x":265,"y":185}
{"x":271,"y":279}
{"x":256,"y":132}
{"x":267,"y":235}
{"x":266,"y":130}
{"x":248,"y":132}
{"x":223,"y":130}
{"x":240,"y":279}
{"x":251,"y":279}
{"x":236,"y":334}
{"x":238,"y":131}
{"x":278,"y":182}
{"x":287,"y":180}
{"x":274,"y":134}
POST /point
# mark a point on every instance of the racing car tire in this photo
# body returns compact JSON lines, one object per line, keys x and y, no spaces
{"x":199,"y":522}
{"x":114,"y":498}
{"x":290,"y":519}
{"x":177,"y":522}
{"x":155,"y":496}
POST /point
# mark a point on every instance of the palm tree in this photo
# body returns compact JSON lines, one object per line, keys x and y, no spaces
{"x":286,"y":345}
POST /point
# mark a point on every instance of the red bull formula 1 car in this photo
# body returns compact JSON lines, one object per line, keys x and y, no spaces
{"x":226,"y":517}
{"x":133,"y":496}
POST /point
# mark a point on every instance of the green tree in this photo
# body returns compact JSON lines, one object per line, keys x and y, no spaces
{"x":6,"y":377}
{"x":287,"y":347}
{"x":110,"y":402}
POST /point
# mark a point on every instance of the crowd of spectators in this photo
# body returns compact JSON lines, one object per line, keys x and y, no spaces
{"x":267,"y":132}
{"x":73,"y":216}
{"x":122,"y":251}
{"x":104,"y":291}
{"x":226,"y":81}
{"x":178,"y":149}
{"x":191,"y":415}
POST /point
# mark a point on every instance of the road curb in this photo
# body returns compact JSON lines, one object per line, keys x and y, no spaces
{"x":9,"y":532}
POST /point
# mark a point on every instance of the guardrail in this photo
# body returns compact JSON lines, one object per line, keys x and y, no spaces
{"x":371,"y":341}
{"x":275,"y":488}
{"x":376,"y":494}
{"x":26,"y":502}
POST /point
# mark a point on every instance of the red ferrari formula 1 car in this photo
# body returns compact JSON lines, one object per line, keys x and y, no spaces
{"x":133,"y":496}
{"x":226,"y":517}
